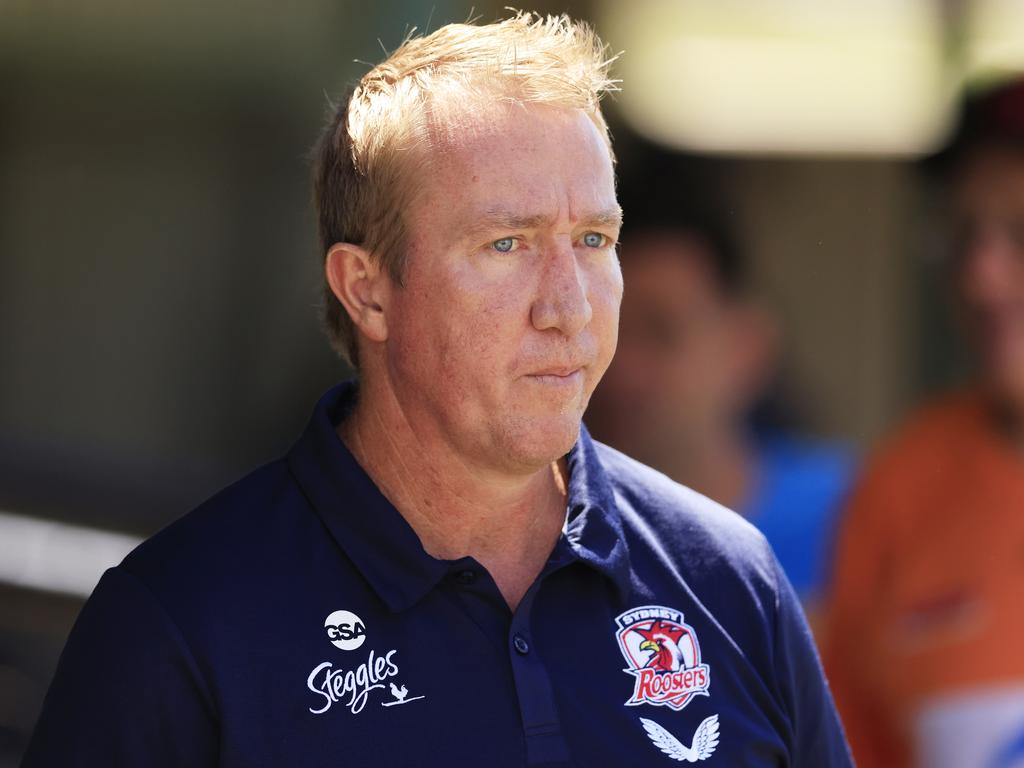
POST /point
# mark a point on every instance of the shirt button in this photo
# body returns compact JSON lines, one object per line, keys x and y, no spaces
{"x":465,"y":578}
{"x":520,"y":644}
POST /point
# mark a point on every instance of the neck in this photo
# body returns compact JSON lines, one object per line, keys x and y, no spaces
{"x":1008,"y":422}
{"x":508,"y":522}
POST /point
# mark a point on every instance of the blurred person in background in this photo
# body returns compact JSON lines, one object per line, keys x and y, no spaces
{"x":696,"y":361}
{"x":925,"y":638}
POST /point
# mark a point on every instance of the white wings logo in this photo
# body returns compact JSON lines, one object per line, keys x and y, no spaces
{"x":705,"y":739}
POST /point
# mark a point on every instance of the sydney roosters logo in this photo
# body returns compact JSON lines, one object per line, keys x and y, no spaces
{"x":663,"y":655}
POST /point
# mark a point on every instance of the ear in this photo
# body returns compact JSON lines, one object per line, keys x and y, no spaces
{"x":756,"y":342}
{"x":362,"y":287}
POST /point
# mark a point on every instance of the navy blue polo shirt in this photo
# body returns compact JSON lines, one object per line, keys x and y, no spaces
{"x":295,"y":620}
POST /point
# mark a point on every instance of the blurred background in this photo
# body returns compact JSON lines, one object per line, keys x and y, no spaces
{"x":159,"y":277}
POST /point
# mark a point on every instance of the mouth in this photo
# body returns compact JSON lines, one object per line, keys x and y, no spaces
{"x":557,"y":376}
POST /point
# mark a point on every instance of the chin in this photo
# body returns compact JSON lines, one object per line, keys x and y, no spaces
{"x":1008,"y":391}
{"x":535,"y":443}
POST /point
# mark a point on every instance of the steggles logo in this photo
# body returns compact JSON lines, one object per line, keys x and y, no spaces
{"x":663,"y":655}
{"x":352,"y":687}
{"x":355,"y":684}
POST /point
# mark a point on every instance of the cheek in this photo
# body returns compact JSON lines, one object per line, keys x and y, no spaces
{"x":419,"y":333}
{"x":455,"y":334}
{"x":605,"y":297}
{"x":605,"y":301}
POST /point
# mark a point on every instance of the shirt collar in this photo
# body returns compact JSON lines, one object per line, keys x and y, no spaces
{"x":385,"y":548}
{"x":593,"y":526}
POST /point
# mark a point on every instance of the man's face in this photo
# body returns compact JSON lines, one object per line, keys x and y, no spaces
{"x":509,"y":310}
{"x":989,"y":267}
{"x":687,"y":355}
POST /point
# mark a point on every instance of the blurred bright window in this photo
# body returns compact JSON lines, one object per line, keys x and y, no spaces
{"x":994,"y":32}
{"x":787,"y":76}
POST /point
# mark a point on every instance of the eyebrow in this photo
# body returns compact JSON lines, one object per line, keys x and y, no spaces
{"x":610,"y":218}
{"x":503,"y":219}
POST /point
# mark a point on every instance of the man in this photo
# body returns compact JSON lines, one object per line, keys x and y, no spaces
{"x":446,"y":570}
{"x":924,"y":643}
{"x":696,"y":356}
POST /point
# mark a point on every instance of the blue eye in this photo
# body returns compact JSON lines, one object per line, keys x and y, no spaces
{"x":593,"y":239}
{"x":505,"y":245}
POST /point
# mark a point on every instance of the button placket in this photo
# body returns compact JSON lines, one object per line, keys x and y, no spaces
{"x":545,"y":743}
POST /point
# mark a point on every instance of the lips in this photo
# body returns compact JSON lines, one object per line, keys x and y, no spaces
{"x":559,"y":371}
{"x":560,"y":378}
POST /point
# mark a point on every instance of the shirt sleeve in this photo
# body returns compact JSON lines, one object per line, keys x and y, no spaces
{"x":127,"y":691}
{"x":817,"y":736}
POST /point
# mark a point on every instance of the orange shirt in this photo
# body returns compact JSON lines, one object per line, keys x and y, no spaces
{"x":924,"y":641}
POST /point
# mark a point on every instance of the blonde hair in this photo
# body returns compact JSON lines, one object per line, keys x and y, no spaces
{"x":361,"y":187}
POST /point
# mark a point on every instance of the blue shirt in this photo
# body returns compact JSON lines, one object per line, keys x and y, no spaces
{"x":796,"y":503}
{"x":295,"y":620}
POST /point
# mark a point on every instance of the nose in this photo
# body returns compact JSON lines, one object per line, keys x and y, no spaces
{"x":561,"y":302}
{"x":989,"y":265}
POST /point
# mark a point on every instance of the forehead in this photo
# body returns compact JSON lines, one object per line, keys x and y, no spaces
{"x":991,"y":180}
{"x":527,"y":160}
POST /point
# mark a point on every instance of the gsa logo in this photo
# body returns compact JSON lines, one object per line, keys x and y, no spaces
{"x":345,"y":630}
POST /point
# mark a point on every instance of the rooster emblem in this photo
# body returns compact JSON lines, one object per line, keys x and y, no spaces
{"x":399,"y":693}
{"x":663,"y":656}
{"x":401,"y":696}
{"x":705,"y":739}
{"x":663,"y":640}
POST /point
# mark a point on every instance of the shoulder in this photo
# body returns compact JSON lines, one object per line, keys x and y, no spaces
{"x":235,"y":538}
{"x":934,"y":441}
{"x":908,"y":475}
{"x":670,"y":521}
{"x":238,"y":511}
{"x":930,"y":433}
{"x":686,"y":548}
